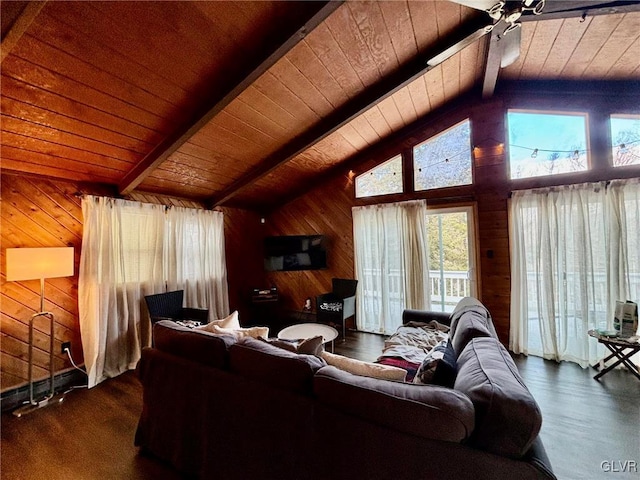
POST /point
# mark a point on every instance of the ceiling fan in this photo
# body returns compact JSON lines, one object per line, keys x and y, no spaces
{"x":505,"y":19}
{"x":506,"y":16}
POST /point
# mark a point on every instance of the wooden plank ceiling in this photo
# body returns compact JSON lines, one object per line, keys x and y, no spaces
{"x":90,"y":89}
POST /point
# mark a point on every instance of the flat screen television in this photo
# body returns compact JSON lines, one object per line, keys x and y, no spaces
{"x":295,"y":252}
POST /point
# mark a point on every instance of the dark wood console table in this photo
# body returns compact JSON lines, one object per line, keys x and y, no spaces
{"x":622,"y":349}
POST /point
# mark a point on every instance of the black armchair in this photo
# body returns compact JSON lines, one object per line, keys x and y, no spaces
{"x":168,"y":305}
{"x":340,"y":304}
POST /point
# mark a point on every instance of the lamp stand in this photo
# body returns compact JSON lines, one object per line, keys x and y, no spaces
{"x":50,"y":398}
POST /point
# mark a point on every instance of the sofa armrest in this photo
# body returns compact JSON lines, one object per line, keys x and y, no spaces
{"x":537,"y":456}
{"x":425,"y":316}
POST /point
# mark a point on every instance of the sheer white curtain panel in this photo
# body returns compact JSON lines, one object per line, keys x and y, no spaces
{"x":391,"y":262}
{"x":574,"y":252}
{"x":130,"y":250}
{"x":196,"y":258}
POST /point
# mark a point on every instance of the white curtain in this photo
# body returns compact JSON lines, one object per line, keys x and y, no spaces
{"x":391,"y":262}
{"x":132,"y":249}
{"x":575,"y":250}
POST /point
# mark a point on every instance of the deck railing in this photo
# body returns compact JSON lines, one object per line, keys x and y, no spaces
{"x":445,"y":288}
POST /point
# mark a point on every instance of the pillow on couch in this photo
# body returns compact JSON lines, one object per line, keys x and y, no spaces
{"x":306,"y":346}
{"x":253,"y":332}
{"x":228,"y":322}
{"x":439,"y":366}
{"x":274,"y":366}
{"x":365,"y":369}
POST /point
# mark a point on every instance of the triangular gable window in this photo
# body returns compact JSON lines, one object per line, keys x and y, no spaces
{"x":444,"y":160}
{"x":384,"y":179}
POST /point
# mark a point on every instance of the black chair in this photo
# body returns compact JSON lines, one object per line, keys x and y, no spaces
{"x":338,"y":305}
{"x":168,"y":306}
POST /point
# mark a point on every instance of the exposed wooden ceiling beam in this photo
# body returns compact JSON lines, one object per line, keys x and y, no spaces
{"x":577,"y":8}
{"x":456,"y":41}
{"x":19,"y":27}
{"x":172,"y":143}
{"x":492,"y":64}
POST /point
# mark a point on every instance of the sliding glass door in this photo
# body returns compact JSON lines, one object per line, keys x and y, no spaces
{"x":452,"y":256}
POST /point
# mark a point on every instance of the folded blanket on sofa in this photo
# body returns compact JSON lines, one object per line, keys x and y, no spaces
{"x":414,"y":340}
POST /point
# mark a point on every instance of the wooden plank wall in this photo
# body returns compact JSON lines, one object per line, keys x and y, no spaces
{"x":326,"y":210}
{"x":491,"y":192}
{"x":243,"y":244}
{"x":37,"y":212}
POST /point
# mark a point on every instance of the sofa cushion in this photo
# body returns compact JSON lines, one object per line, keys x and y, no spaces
{"x":198,"y":346}
{"x":439,"y":366}
{"x":272,"y":365}
{"x":366,"y":369}
{"x":507,"y":416}
{"x":426,"y":411}
{"x":307,"y":346}
{"x":468,"y":326}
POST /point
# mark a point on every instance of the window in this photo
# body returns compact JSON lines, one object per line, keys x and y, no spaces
{"x":452,"y":272}
{"x":381,"y":180}
{"x":569,"y":268}
{"x":444,"y":160}
{"x":625,"y":140}
{"x":546,"y":144}
{"x":390,"y":262}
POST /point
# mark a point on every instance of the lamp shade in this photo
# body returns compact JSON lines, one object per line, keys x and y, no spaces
{"x":39,"y":263}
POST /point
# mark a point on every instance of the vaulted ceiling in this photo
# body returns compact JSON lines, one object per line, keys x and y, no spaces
{"x":244,"y":102}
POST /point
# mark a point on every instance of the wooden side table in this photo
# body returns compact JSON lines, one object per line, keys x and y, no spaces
{"x":622,"y":349}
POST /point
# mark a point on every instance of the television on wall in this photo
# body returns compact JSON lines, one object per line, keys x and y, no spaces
{"x":295,"y":252}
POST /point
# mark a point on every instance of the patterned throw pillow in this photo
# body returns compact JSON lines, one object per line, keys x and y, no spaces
{"x":439,"y":366}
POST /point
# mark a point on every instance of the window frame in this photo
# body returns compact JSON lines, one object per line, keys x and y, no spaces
{"x":397,"y":156}
{"x":570,"y":113}
{"x":635,"y":116}
{"x":438,"y":134}
{"x":473,"y":239}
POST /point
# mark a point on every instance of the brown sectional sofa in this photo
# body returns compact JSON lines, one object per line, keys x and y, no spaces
{"x":215,"y":407}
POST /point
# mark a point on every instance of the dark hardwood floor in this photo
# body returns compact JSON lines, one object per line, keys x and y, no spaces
{"x":90,"y":435}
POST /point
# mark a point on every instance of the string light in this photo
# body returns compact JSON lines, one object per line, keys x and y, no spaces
{"x":623,"y":149}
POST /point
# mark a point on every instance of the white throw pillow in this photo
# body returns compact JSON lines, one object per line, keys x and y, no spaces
{"x":231,"y":322}
{"x":254,"y":332}
{"x":365,"y":369}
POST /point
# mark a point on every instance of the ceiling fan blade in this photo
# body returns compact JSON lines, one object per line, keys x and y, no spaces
{"x":477,"y":4}
{"x":510,"y":47}
{"x":457,"y":47}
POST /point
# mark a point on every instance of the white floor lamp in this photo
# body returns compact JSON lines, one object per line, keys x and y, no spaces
{"x":34,"y":264}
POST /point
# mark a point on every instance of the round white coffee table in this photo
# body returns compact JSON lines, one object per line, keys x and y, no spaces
{"x":309,"y":330}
